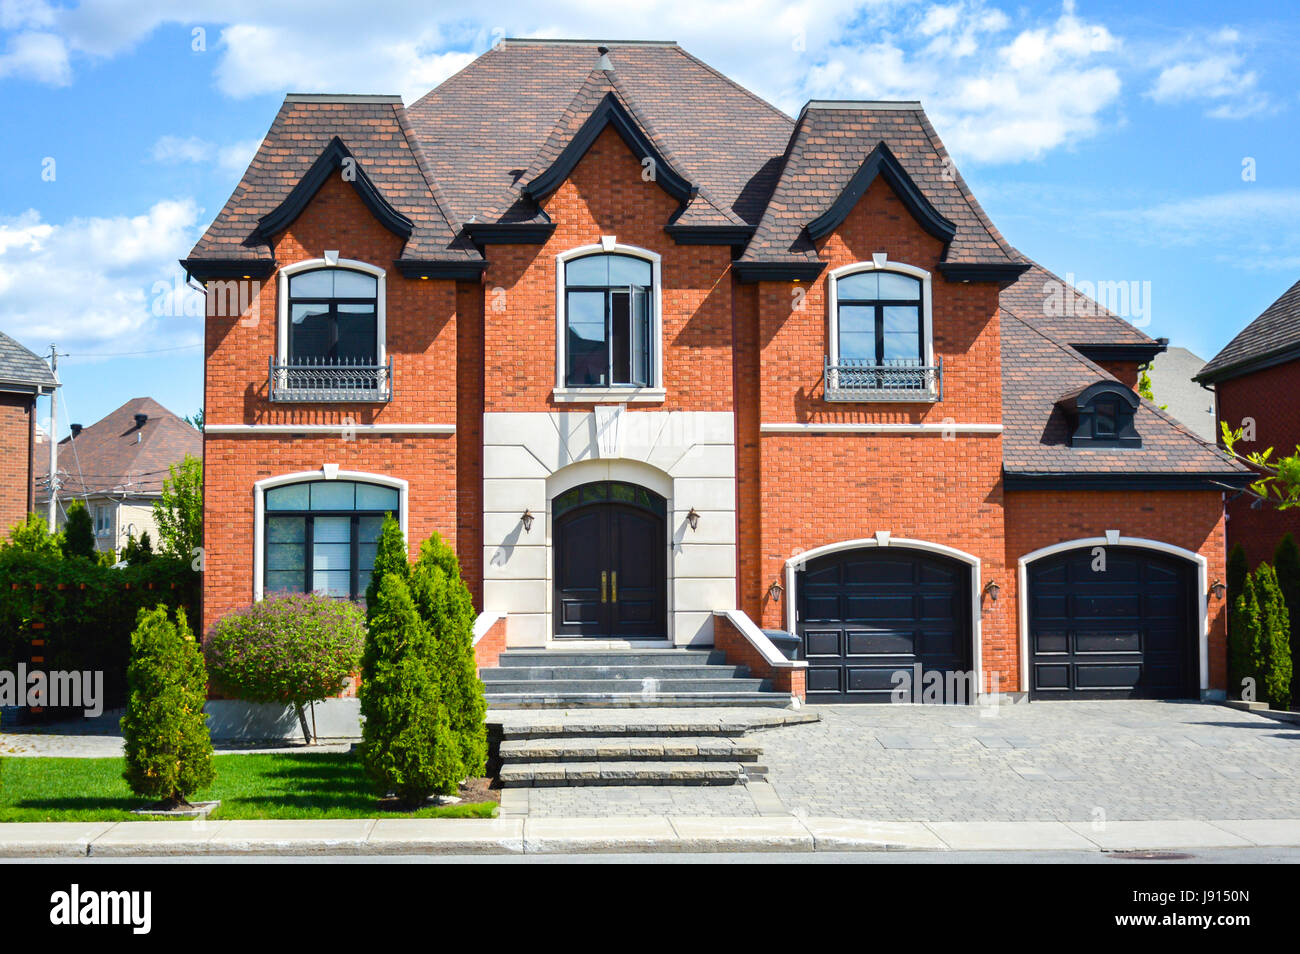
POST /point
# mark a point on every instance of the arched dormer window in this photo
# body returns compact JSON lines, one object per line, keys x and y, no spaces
{"x":880,"y":334}
{"x":331,"y":333}
{"x":609,"y":324}
{"x":1101,"y":415}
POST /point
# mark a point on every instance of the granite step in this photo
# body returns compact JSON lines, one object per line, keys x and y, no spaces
{"x":537,"y":774}
{"x":635,"y":673}
{"x":619,"y":657}
{"x":539,"y":699}
{"x":629,"y":749}
{"x":639,"y":686}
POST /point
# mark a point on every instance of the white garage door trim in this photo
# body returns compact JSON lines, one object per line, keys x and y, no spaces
{"x":1113,"y":539}
{"x":883,"y":539}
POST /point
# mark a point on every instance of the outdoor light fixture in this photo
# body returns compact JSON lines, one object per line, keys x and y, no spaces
{"x":693,"y":518}
{"x":527,"y":518}
{"x":775,"y":591}
{"x":1218,"y":589}
{"x":992,"y":588}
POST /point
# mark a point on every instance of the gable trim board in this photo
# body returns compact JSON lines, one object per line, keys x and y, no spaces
{"x":881,"y":162}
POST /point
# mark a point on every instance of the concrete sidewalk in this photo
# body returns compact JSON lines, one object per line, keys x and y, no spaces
{"x":657,"y":833}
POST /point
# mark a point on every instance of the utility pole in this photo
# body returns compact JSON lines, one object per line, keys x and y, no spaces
{"x":54,"y":440}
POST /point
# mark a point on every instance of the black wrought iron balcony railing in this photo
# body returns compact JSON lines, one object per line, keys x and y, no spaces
{"x":327,"y":379}
{"x":853,"y":379}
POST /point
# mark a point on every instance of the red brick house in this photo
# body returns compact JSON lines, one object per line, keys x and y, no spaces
{"x":1254,"y":383}
{"x":24,"y":377}
{"x":673,"y":370}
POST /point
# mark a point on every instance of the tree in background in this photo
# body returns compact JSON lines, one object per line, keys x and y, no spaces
{"x":178,"y":511}
{"x":407,"y":746}
{"x":33,"y":536}
{"x":1273,"y":650}
{"x":138,"y":551}
{"x":79,"y":532}
{"x":196,"y":420}
{"x":167,"y":745}
{"x":1238,"y":569}
{"x":447,"y":609}
{"x":1286,"y":561}
{"x":1243,"y":639}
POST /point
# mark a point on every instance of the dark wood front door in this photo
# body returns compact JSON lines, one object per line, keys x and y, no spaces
{"x":610,"y":544}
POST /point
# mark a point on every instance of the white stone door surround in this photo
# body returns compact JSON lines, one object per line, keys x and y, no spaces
{"x":687,"y":457}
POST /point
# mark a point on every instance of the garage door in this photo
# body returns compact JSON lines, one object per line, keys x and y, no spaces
{"x":866,"y":614}
{"x":1125,"y":631}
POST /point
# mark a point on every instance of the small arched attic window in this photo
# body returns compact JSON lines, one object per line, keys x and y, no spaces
{"x":1101,"y":415}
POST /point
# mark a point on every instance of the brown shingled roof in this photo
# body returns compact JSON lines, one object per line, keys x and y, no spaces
{"x":1031,"y":298}
{"x":1036,"y":369}
{"x":1271,"y":338}
{"x":375,"y":131}
{"x":829,"y":146}
{"x":115,"y":455}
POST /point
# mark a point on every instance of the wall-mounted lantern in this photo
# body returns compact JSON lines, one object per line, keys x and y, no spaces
{"x":693,"y":519}
{"x":527,"y":519}
{"x":775,"y":591}
{"x":1218,"y":589}
{"x":992,"y":589}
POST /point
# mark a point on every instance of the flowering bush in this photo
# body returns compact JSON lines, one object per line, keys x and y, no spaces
{"x":292,"y":649}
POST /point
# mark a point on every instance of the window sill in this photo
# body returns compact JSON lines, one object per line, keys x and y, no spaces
{"x":608,"y":395}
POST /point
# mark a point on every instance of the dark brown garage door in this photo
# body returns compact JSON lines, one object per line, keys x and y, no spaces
{"x":867,"y":614}
{"x":1125,"y":631}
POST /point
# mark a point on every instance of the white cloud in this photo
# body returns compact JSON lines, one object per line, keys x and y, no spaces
{"x":42,"y":57}
{"x":996,"y":97}
{"x":88,"y":283}
{"x":232,"y":157}
{"x":1211,"y":70}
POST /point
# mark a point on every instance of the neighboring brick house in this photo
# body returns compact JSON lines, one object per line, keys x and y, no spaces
{"x":672,"y":369}
{"x":24,"y":377}
{"x":1255,"y":380}
{"x":117,"y":466}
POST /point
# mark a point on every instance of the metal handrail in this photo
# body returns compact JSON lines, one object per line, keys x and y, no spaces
{"x":856,"y":379}
{"x":320,"y":380}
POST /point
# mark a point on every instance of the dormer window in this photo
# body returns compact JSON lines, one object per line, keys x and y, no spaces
{"x":1101,"y":415}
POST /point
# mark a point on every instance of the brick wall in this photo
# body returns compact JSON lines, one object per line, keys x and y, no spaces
{"x":422,"y":338}
{"x":17,"y":441}
{"x":605,"y":195}
{"x":1270,"y":397}
{"x":1192,"y":520}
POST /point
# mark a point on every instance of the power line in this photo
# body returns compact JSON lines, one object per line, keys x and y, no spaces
{"x":123,"y":354}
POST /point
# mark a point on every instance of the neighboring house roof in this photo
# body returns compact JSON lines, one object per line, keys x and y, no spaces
{"x":1272,"y":338}
{"x":117,"y":456}
{"x":1037,"y":369}
{"x":22,"y":370}
{"x":311,"y":138}
{"x":831,"y":144}
{"x":1172,"y":383}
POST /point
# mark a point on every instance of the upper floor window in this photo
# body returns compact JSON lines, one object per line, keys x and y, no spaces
{"x":333,"y":317}
{"x":331,"y":336}
{"x":609,"y":336}
{"x":321,"y":536}
{"x":1102,"y":415}
{"x":880,"y":335}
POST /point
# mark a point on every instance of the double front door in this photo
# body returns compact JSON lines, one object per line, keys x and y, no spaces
{"x":610,"y":547}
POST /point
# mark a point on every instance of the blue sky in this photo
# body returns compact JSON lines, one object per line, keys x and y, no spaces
{"x":1106,"y":140}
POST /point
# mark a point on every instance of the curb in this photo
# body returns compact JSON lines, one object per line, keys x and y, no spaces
{"x":655,"y":834}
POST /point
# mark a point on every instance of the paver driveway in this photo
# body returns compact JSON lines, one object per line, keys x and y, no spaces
{"x":1076,"y":761}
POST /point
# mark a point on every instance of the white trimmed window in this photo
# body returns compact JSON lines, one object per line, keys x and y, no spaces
{"x":880,"y":341}
{"x":609,"y":340}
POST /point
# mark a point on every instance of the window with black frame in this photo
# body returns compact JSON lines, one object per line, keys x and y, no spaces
{"x":609,"y":321}
{"x":321,"y":536}
{"x":333,"y":329}
{"x":881,"y":327}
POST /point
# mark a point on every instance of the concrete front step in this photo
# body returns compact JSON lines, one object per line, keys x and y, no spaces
{"x":536,"y":774}
{"x":629,"y":749}
{"x":605,"y":657}
{"x":729,"y":722}
{"x":538,"y":699}
{"x":626,"y":673}
{"x":496,"y":686}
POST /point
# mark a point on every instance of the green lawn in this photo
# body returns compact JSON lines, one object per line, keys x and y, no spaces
{"x":281,"y":785}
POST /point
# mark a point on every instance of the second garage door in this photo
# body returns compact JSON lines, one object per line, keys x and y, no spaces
{"x":868,"y":613}
{"x":1124,"y":628}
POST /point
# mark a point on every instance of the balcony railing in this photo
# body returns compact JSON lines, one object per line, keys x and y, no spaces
{"x":859,"y":380}
{"x":330,"y":380}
